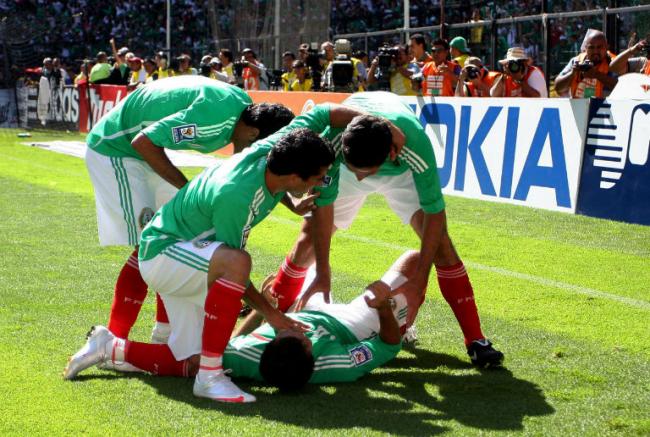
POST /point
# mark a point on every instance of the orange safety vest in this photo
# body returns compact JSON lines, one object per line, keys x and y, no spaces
{"x":251,"y":79}
{"x":646,"y":70}
{"x":435,"y":83}
{"x":585,"y":87}
{"x":513,"y":89}
{"x":488,"y":79}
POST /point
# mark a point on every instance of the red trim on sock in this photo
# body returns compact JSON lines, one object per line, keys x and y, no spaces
{"x":457,"y":290}
{"x":288,"y":283}
{"x":130,"y":292}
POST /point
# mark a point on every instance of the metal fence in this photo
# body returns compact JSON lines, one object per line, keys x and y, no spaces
{"x":490,"y":39}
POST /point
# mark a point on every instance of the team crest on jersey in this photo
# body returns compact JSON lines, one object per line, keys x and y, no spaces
{"x":145,"y":217}
{"x":361,"y":355}
{"x":187,"y":132}
{"x":202,"y":244}
{"x":327,"y":180}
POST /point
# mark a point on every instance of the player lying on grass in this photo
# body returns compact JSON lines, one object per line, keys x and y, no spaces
{"x":132,"y":175}
{"x":343,"y":343}
{"x":411,"y":187}
{"x":192,"y":253}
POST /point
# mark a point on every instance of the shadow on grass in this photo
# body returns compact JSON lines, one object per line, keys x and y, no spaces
{"x":414,"y":395}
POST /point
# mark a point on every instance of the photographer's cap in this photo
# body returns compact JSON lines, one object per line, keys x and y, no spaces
{"x":460,"y":44}
{"x":515,"y":54}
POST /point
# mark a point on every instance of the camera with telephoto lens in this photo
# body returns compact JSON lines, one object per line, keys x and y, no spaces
{"x":472,"y":72}
{"x":275,"y":79}
{"x":238,"y":67}
{"x":585,"y":65}
{"x":515,"y":66}
{"x":386,"y":55}
{"x":205,"y":70}
{"x":313,"y":64}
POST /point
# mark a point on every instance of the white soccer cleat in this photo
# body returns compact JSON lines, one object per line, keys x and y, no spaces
{"x":219,"y":387}
{"x":410,"y":336}
{"x":160,"y":333}
{"x":123,"y":366}
{"x":93,"y":352}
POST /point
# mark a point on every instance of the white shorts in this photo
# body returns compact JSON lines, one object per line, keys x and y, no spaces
{"x":180,"y":275}
{"x":127,"y":194}
{"x":357,"y":316}
{"x":399,"y":191}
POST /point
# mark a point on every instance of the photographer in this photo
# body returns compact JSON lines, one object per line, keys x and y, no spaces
{"x":226,"y":57}
{"x":475,"y":80}
{"x":288,"y":76}
{"x":439,"y":77}
{"x":519,"y":77}
{"x":588,"y":75}
{"x":624,"y":63}
{"x":301,"y":80}
{"x":343,"y":73}
{"x":163,"y":67}
{"x":252,"y":71}
{"x":397,"y":69}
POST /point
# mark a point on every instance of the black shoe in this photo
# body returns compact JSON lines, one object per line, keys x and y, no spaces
{"x":484,"y":355}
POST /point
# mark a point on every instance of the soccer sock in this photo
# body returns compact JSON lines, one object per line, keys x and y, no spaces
{"x":222,"y":306}
{"x":130,"y":292}
{"x":288,"y":283}
{"x":153,"y":358}
{"x":161,"y":312}
{"x":457,"y":291}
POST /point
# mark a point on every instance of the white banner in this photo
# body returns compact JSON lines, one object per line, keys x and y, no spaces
{"x":520,"y":151}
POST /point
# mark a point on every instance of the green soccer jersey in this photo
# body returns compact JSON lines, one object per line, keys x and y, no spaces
{"x":184,"y":112}
{"x":417,"y":156}
{"x":339,"y":356}
{"x":221,"y":204}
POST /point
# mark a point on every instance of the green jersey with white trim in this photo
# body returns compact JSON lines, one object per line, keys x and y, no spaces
{"x":339,"y":356}
{"x":417,"y":156}
{"x":183,"y":112}
{"x":221,"y":204}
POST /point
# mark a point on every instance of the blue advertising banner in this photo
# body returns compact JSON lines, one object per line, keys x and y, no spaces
{"x":615,"y":181}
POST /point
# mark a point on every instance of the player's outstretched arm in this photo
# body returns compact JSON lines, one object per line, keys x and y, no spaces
{"x":379,"y":299}
{"x":157,"y":158}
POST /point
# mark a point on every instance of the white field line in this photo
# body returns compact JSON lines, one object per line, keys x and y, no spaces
{"x":540,"y":280}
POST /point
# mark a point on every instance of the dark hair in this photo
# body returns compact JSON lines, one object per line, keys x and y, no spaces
{"x":290,"y":54}
{"x":441,"y":42}
{"x":286,"y":364}
{"x":366,"y":141}
{"x":302,"y":152}
{"x":247,"y":50}
{"x":267,"y":117}
{"x":227,"y":53}
{"x":419,"y":38}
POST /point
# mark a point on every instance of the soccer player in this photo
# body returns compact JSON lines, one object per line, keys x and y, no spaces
{"x":410,"y":185}
{"x":192,"y":252}
{"x":345,"y":342}
{"x":133,"y":176}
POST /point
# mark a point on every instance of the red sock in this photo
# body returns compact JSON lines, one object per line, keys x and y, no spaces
{"x":457,"y":291}
{"x":288,"y":283}
{"x":130,"y":292}
{"x":222,"y":306}
{"x":155,"y":358}
{"x":161,"y":312}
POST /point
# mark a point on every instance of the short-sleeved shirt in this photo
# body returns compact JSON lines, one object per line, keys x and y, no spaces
{"x":221,"y":204}
{"x":184,"y":112}
{"x":416,"y":157}
{"x":100,"y":71}
{"x":339,"y":356}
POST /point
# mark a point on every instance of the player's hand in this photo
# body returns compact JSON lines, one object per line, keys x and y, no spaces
{"x":305,"y":204}
{"x":414,"y":293}
{"x":379,"y":296}
{"x":320,"y":285}
{"x":279,"y":322}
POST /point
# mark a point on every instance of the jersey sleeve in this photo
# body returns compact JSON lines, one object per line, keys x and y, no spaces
{"x":349,"y":362}
{"x":316,"y":119}
{"x":330,"y":187}
{"x":199,"y":127}
{"x":419,"y":156}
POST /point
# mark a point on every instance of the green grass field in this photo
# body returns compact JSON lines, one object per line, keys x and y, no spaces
{"x":566,"y":298}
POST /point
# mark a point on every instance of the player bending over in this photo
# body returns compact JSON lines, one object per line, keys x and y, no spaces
{"x":192,"y":253}
{"x":132,"y":175}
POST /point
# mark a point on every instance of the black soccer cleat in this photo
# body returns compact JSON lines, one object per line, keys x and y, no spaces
{"x":483,"y":355}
